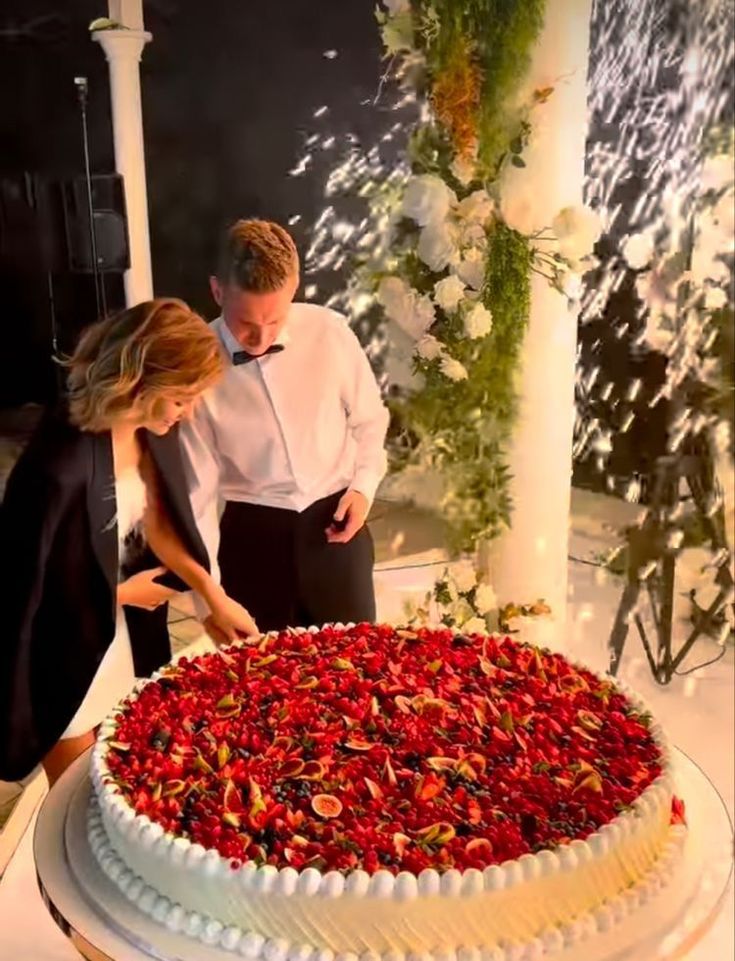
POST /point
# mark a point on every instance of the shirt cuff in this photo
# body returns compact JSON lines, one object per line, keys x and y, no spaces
{"x":367,"y":484}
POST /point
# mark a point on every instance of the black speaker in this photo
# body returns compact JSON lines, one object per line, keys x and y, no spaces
{"x":110,"y":224}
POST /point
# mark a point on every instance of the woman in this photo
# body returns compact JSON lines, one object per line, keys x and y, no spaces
{"x":96,"y":504}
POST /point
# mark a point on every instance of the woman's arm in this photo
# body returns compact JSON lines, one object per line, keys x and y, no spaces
{"x":228,"y":616}
{"x":165,"y":542}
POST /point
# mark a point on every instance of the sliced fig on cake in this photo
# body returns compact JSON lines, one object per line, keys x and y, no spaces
{"x":313,"y":771}
{"x":326,"y":805}
{"x":479,"y":847}
{"x":291,"y":768}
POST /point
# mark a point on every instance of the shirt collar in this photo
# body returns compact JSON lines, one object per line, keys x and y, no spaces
{"x":230,"y":343}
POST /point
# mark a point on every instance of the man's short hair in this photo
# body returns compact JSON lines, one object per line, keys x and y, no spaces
{"x":258,"y":256}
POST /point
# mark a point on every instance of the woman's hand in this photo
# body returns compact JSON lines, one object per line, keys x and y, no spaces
{"x":228,"y":621}
{"x":141,"y":590}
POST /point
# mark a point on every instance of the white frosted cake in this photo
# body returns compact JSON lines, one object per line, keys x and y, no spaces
{"x":379,"y":793}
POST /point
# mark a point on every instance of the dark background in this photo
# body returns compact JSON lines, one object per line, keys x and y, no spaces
{"x":229,"y":92}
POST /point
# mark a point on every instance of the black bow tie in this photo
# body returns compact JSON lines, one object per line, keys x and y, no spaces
{"x":243,"y":357}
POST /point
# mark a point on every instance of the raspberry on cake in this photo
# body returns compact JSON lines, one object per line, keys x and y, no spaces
{"x":398,"y":763}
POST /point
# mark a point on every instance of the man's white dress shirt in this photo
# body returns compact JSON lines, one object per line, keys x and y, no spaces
{"x":289,"y":428}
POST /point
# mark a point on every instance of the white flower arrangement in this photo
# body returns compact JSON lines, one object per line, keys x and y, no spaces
{"x":463,"y":599}
{"x":463,"y":240}
{"x":395,"y":7}
{"x":638,"y":249}
{"x":679,"y":302}
{"x":471,"y":268}
{"x":449,"y":293}
{"x":452,"y":368}
{"x":563,"y":252}
{"x":477,"y":208}
{"x":478,"y":322}
{"x":413,"y":313}
{"x":429,"y":348}
{"x":464,"y":576}
{"x":572,"y":285}
{"x":577,"y":229}
{"x":427,"y":200}
{"x":438,"y":245}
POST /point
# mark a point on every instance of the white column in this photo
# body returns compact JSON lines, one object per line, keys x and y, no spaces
{"x":530,"y":561}
{"x":123,"y":49}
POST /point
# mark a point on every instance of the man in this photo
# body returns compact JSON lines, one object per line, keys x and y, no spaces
{"x":291,"y":439}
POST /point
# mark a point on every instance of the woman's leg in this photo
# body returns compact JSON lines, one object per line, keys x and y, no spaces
{"x":64,"y":753}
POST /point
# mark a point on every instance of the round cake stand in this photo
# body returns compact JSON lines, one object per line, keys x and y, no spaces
{"x":104,"y":926}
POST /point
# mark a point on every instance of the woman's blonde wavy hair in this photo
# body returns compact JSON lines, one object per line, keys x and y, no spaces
{"x":158,"y":349}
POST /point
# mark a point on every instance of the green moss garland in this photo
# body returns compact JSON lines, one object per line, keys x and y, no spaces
{"x":462,"y":429}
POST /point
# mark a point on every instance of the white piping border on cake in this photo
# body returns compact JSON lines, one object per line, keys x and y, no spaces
{"x":404,"y":886}
{"x":252,"y":945}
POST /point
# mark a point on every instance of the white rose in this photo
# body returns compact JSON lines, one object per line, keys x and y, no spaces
{"x":475,"y":625}
{"x":464,"y":169}
{"x":638,"y":250}
{"x":421,"y":319}
{"x":429,"y":348}
{"x":715,"y":298}
{"x":577,"y":230}
{"x":427,"y":199}
{"x":448,"y":293}
{"x":478,"y":322}
{"x":477,"y":208}
{"x":517,"y":210}
{"x":571,"y":285}
{"x":437,"y":246}
{"x":403,"y":305}
{"x":471,"y":268}
{"x":396,"y":297}
{"x":452,"y":368}
{"x":464,"y":576}
{"x":473,"y":235}
{"x":397,"y":6}
{"x":485,"y":599}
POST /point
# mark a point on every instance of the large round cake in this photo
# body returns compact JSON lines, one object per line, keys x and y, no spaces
{"x":374,"y":792}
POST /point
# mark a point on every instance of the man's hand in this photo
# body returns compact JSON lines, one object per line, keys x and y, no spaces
{"x":141,"y":590}
{"x":349,"y":517}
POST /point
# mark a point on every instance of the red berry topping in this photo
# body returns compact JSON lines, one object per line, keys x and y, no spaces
{"x":375,"y":748}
